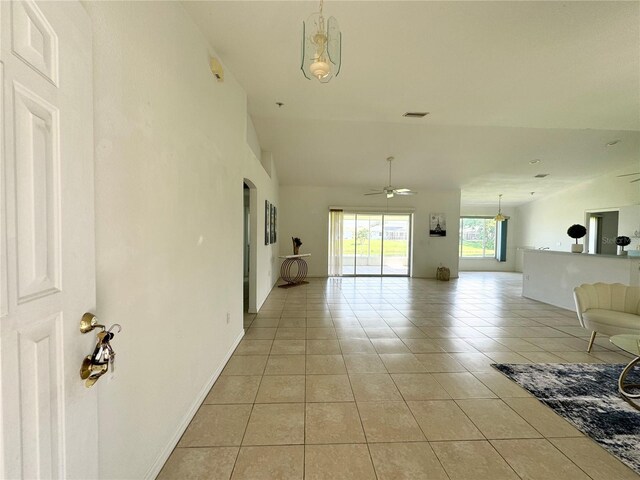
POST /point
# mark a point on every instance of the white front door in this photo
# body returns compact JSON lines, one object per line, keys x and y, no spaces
{"x":47,"y":266}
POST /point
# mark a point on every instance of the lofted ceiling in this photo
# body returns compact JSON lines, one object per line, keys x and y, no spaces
{"x":505,"y":83}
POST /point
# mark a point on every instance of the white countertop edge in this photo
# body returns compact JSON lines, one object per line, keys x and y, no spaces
{"x":585,"y":255}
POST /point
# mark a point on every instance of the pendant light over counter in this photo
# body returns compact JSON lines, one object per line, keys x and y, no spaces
{"x":321,"y":47}
{"x":500,"y":217}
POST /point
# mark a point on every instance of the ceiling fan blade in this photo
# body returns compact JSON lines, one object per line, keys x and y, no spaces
{"x":628,"y":174}
{"x":389,"y":190}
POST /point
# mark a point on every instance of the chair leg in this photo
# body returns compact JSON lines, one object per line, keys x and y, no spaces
{"x":593,"y":337}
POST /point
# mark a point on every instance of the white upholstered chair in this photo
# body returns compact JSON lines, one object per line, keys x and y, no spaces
{"x":608,"y":308}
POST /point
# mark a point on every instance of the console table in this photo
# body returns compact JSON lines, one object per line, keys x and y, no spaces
{"x":285,"y":270}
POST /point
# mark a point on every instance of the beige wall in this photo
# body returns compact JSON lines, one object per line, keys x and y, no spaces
{"x":305,"y":214}
{"x":171,"y":154}
{"x":544,"y":222}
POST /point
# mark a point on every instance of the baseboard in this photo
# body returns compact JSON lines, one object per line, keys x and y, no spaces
{"x":153,"y":472}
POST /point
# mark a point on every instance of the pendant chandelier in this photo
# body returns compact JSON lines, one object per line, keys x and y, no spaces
{"x":500,"y":217}
{"x":321,"y":47}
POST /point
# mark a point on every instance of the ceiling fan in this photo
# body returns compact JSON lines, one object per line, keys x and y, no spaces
{"x":631,"y":174}
{"x":390,"y":191}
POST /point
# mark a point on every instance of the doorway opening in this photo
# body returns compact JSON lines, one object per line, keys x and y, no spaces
{"x":246,"y":254}
{"x":249,"y":245}
{"x":376,"y":244}
{"x":603,"y":229}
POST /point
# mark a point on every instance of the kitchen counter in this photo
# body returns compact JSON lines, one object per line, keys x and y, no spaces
{"x":550,"y":276}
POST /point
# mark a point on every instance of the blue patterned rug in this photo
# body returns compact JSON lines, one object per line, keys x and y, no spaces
{"x":587,"y":396}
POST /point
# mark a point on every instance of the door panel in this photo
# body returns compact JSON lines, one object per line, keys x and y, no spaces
{"x":396,"y":247}
{"x":36,"y":134}
{"x":348,"y":244}
{"x":49,"y":419}
{"x":368,"y":244}
{"x":41,"y":377}
{"x":34,"y":39}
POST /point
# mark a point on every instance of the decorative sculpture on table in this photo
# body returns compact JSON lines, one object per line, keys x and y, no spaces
{"x":576,"y":231}
{"x":296,"y":245}
{"x":622,"y":242}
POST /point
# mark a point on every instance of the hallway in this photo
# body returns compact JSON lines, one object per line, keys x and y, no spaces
{"x":390,"y":378}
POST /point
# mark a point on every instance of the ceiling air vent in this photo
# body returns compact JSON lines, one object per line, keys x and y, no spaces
{"x":541,"y":175}
{"x":415,"y":114}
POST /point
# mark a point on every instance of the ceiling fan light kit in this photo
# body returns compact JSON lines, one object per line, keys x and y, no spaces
{"x":321,"y":47}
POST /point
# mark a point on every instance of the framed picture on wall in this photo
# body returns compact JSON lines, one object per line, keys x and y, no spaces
{"x":267,"y":222}
{"x":273,"y":224}
{"x":437,"y":225}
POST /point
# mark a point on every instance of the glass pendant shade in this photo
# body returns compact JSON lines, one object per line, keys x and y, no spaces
{"x":500,"y":217}
{"x":321,"y":47}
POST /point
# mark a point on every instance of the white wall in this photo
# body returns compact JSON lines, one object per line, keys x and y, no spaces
{"x":544,"y":222}
{"x":252,"y":138}
{"x":629,"y":224}
{"x":491,"y":264}
{"x":305,"y":214}
{"x":171,"y":154}
{"x":266,"y":264}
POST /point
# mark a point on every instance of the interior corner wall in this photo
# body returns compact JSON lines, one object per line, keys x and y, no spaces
{"x":171,"y":154}
{"x":544,"y":222}
{"x":305,"y":214}
{"x":266,"y":263}
{"x":491,"y":264}
{"x":252,"y":139}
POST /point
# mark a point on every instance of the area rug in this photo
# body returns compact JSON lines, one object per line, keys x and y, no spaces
{"x":587,"y":396}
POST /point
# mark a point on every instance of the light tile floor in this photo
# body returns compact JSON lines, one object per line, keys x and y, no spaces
{"x":390,"y":378}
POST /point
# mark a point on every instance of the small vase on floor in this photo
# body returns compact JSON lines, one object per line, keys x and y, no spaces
{"x":576,"y":248}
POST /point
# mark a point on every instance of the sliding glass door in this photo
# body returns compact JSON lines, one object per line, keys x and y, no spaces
{"x":395,"y":247}
{"x":376,"y":244}
{"x":349,"y":244}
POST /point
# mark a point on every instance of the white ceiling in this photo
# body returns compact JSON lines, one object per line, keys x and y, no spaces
{"x":504,"y":82}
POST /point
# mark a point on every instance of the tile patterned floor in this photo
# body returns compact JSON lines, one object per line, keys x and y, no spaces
{"x":375,"y":378}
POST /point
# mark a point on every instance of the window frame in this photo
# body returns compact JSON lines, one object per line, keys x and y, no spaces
{"x":461,"y":238}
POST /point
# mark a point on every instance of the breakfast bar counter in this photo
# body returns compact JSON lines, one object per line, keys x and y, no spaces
{"x":550,"y":276}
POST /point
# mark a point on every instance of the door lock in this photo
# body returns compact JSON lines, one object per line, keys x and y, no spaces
{"x":97,"y":364}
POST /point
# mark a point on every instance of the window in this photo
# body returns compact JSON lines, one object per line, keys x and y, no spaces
{"x":477,"y":237}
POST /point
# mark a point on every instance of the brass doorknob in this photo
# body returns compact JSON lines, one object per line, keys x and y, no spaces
{"x":89,"y":322}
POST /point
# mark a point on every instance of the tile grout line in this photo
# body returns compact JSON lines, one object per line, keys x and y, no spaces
{"x":304,"y":418}
{"x":463,"y":339}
